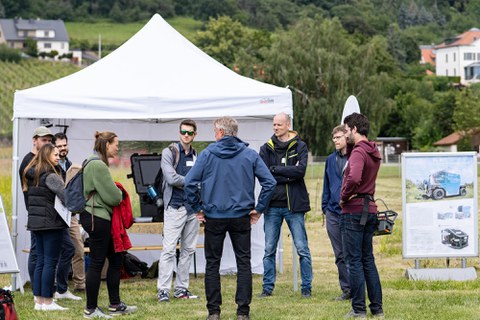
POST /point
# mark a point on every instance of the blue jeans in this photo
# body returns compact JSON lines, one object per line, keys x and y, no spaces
{"x":239,"y":230}
{"x":272,"y":226}
{"x":357,"y":240}
{"x":48,"y":243}
{"x":65,"y":262}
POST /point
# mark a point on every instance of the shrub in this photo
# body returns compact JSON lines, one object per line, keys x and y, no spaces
{"x":9,"y":54}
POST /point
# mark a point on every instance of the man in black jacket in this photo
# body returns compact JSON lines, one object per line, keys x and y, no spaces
{"x":71,"y":251}
{"x":286,"y":156}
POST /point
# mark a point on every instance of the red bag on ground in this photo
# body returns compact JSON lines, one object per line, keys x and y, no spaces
{"x":7,"y":307}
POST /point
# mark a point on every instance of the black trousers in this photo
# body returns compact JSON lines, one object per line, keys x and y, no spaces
{"x":101,"y":248}
{"x":239,"y":230}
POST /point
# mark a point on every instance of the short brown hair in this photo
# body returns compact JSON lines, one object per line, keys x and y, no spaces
{"x":188,"y":122}
{"x":340,"y":128}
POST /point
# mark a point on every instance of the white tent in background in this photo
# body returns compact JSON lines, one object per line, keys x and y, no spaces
{"x":141,"y":91}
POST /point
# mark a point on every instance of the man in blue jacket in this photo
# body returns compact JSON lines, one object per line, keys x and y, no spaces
{"x":332,"y":184}
{"x":286,"y":155}
{"x":225,"y":175}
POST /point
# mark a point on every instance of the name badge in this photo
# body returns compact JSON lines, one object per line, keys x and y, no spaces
{"x":190,"y":163}
{"x":284,"y":160}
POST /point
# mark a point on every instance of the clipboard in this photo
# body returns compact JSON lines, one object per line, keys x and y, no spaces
{"x":63,"y":211}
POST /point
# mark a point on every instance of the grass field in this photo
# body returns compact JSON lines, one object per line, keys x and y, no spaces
{"x":118,"y":33}
{"x":403,"y":299}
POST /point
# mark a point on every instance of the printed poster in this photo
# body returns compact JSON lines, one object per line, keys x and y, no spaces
{"x":440,"y":215}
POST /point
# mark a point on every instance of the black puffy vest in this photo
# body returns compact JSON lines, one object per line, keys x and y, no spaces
{"x":41,"y":211}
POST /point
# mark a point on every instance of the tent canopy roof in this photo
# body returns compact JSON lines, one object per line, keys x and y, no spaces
{"x":157,"y":74}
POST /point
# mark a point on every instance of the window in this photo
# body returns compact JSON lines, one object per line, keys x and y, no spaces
{"x":446,"y":58}
{"x":446,"y":72}
{"x":454,"y":56}
{"x":454,"y":72}
{"x":46,"y":34}
{"x":47,"y":45}
{"x":469,"y":56}
{"x":478,"y":56}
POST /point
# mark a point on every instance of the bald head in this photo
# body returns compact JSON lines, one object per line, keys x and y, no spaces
{"x":281,"y":126}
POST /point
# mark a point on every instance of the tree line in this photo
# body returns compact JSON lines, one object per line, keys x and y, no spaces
{"x":324,"y":50}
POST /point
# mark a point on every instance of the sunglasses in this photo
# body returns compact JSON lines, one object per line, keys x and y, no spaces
{"x":190,"y":133}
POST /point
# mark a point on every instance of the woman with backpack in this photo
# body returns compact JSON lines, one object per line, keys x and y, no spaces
{"x":43,"y":182}
{"x":102,"y":194}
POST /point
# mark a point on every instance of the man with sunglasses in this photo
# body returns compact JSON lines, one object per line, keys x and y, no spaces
{"x":41,"y":136}
{"x":180,"y":224}
{"x":332,"y":184}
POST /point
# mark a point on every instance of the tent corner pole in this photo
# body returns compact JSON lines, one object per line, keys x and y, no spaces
{"x":15,"y":159}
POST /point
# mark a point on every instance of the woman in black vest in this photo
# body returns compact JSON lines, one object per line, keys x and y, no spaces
{"x":43,"y":181}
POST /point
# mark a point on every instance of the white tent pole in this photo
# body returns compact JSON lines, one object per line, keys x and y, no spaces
{"x":15,"y":159}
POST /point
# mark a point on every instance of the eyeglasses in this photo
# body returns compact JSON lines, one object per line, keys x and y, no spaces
{"x":334,"y":138}
{"x":190,"y":133}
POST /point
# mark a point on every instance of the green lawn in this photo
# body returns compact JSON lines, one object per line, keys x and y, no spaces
{"x":117,"y":33}
{"x":403,"y":299}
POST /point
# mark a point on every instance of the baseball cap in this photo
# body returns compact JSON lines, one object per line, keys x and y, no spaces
{"x":41,"y":132}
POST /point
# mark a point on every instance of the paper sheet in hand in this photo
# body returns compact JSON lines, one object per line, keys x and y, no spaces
{"x":63,"y":211}
{"x":351,"y":106}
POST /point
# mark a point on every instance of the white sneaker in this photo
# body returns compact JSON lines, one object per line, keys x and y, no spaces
{"x":37,"y":307}
{"x":53,"y":307}
{"x":66,"y":295}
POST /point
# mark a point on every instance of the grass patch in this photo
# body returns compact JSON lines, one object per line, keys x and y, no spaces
{"x":117,"y":33}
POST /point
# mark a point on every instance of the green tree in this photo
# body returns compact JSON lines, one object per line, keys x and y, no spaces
{"x":467,"y":110}
{"x":323,"y":65}
{"x":31,"y":47}
{"x":222,"y":39}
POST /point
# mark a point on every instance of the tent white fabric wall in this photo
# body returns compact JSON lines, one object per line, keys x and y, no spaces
{"x":141,"y":91}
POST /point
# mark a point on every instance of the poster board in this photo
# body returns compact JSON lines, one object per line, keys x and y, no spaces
{"x":8,"y":260}
{"x":440,"y":214}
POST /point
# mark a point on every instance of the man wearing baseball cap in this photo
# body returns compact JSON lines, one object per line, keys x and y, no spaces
{"x":41,"y":136}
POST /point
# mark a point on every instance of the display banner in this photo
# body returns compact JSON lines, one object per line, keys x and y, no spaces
{"x":440,"y":214}
{"x":8,"y":261}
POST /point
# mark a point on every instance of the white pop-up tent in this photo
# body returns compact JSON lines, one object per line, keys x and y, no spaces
{"x":141,"y":91}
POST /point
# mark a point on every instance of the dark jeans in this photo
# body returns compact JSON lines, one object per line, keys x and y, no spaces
{"x":48,"y":246}
{"x":32,"y":258}
{"x":359,"y":254}
{"x":239,"y":230}
{"x":65,"y":262}
{"x":335,"y":235}
{"x":101,"y":248}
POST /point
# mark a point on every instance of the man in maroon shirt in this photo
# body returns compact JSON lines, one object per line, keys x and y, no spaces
{"x":359,"y":219}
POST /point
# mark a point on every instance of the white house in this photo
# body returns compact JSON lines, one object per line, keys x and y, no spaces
{"x":460,"y":56}
{"x":49,"y":34}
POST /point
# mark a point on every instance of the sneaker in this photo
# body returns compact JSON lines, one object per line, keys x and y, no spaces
{"x":163,"y":296}
{"x":353,"y":314}
{"x":306,"y":293}
{"x":214,"y":316}
{"x":379,"y":315}
{"x":184,"y":294}
{"x":121,"y":309}
{"x":37,"y":307}
{"x":53,"y":307}
{"x":344,"y":296}
{"x":265,"y":294}
{"x":243,"y":317}
{"x":95,"y":313}
{"x":67,"y":295}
